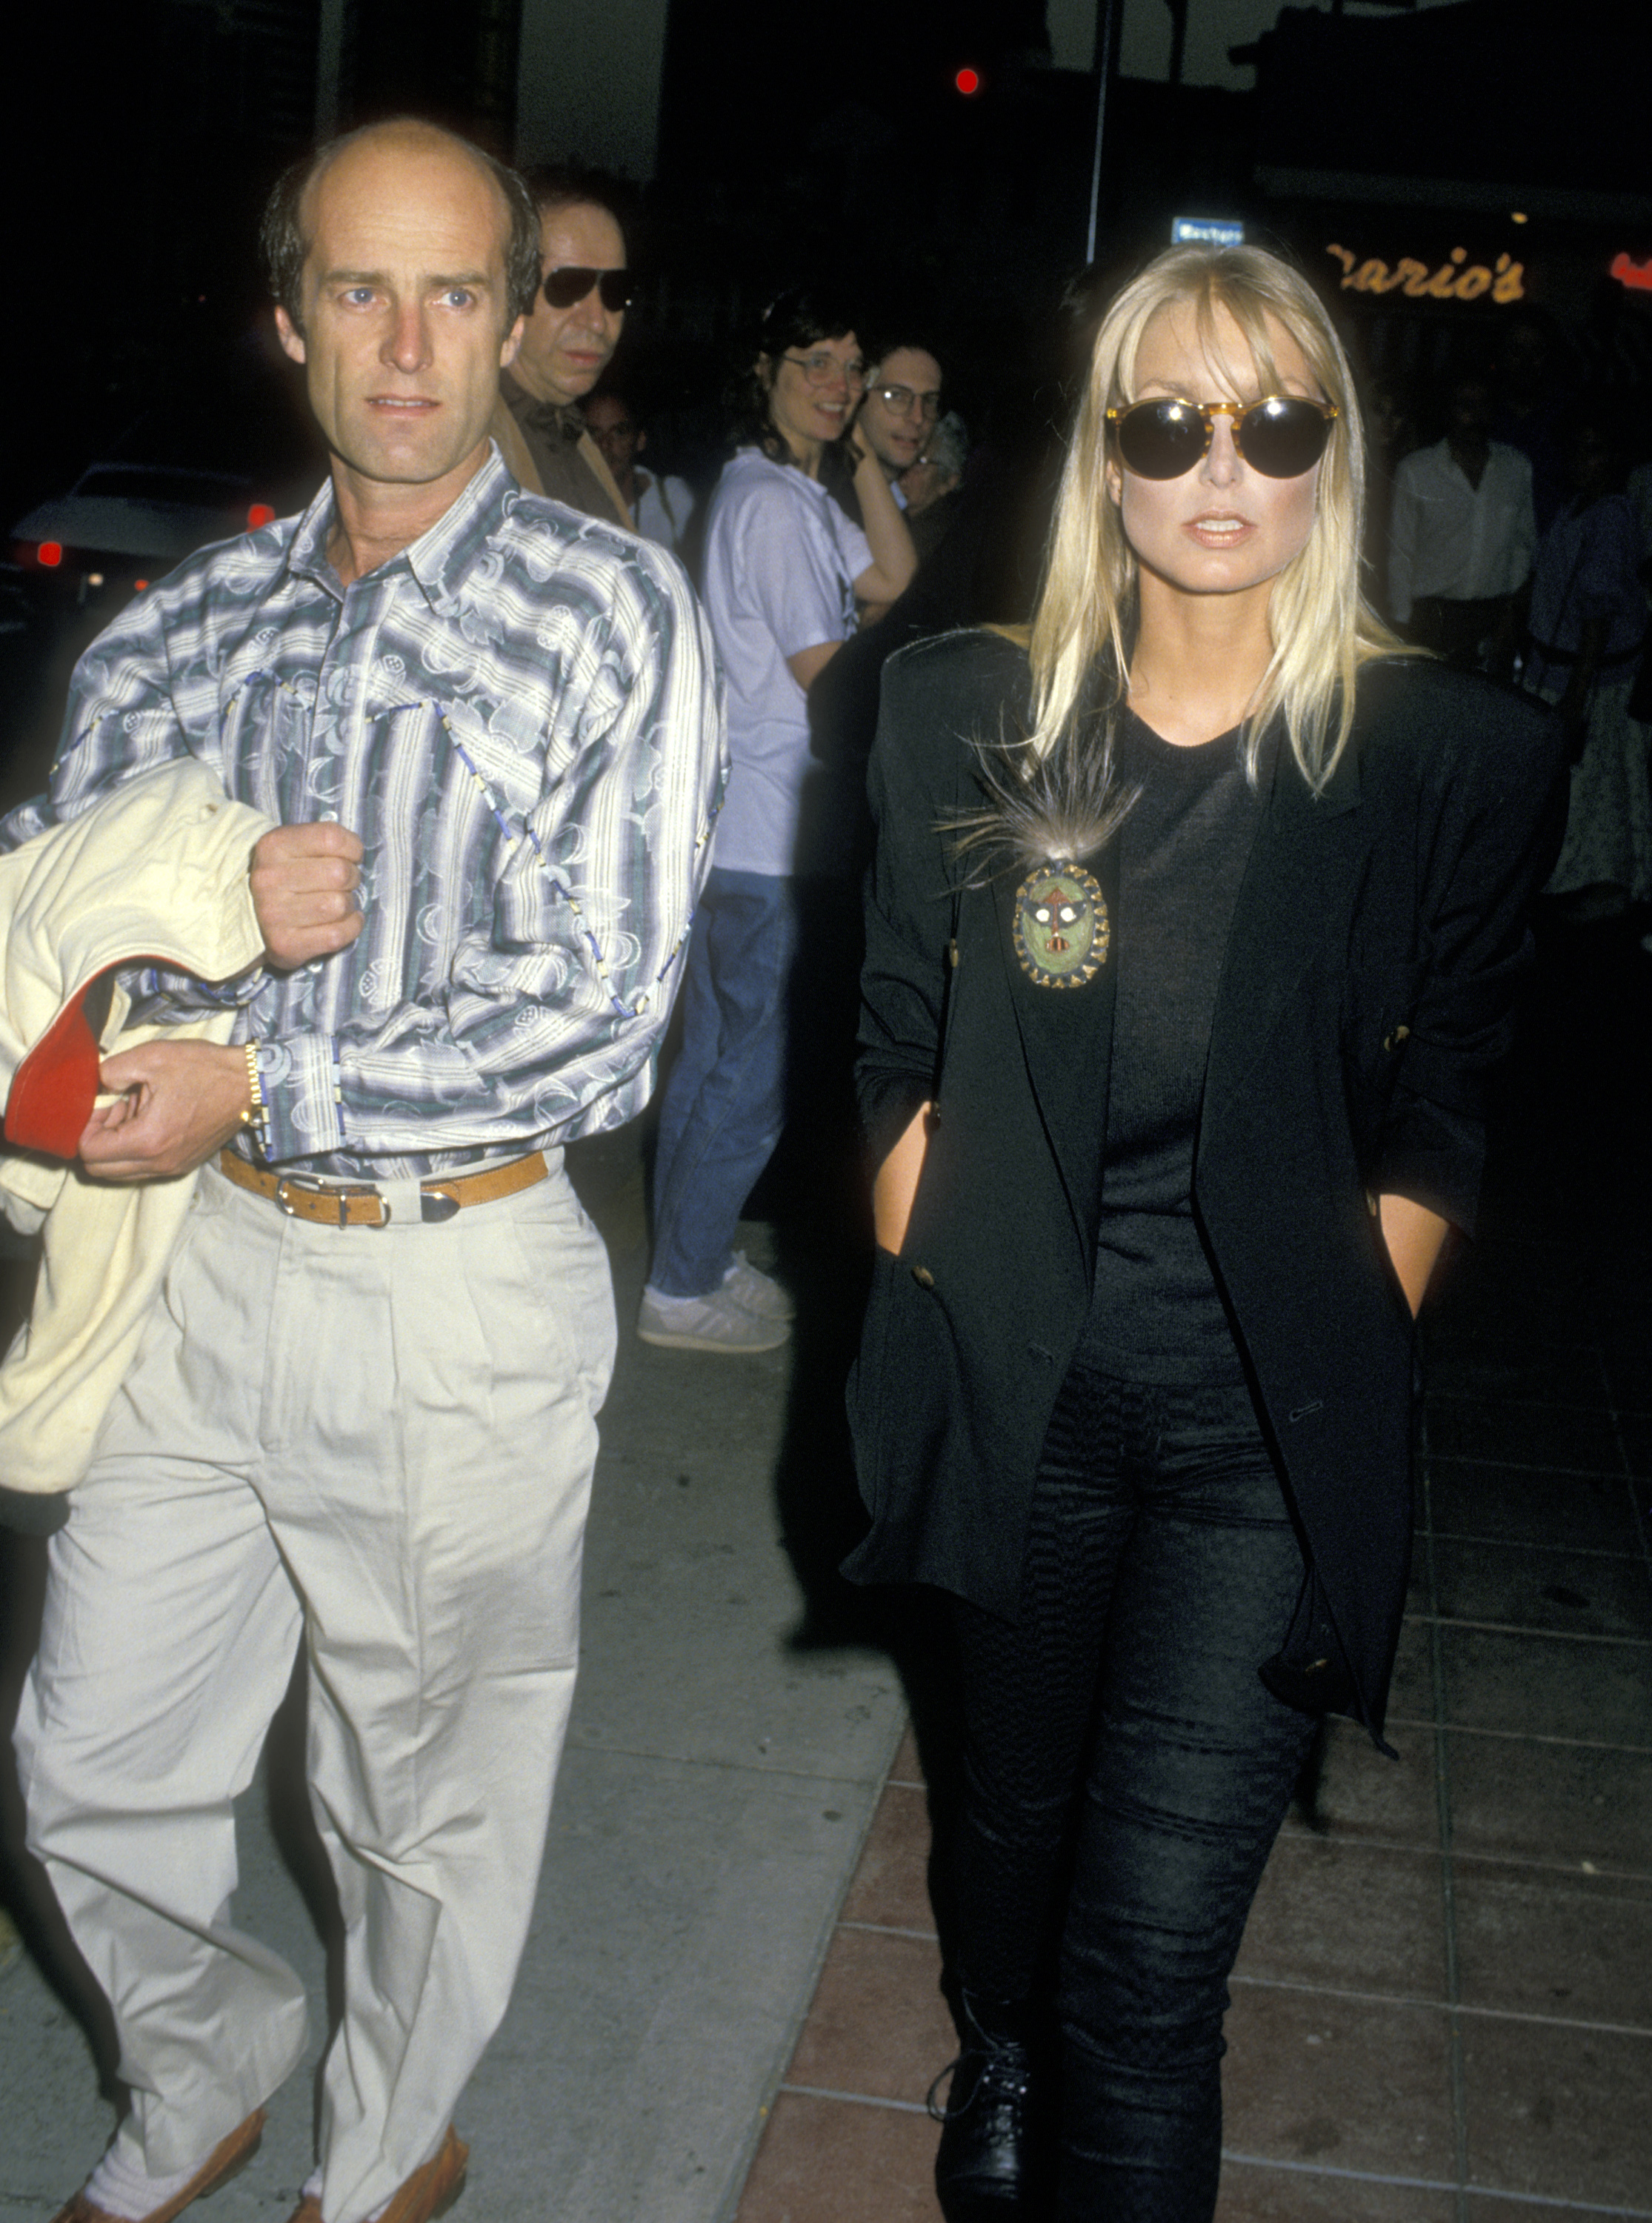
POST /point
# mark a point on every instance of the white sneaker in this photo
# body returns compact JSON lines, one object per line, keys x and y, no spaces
{"x":716,"y":1321}
{"x":758,"y":1292}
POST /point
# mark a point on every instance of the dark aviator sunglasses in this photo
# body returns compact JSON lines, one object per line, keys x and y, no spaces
{"x":1282,"y":436}
{"x":574,"y":282}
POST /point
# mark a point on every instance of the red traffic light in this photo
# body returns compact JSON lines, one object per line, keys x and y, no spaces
{"x":50,"y":553}
{"x":260,"y":513}
{"x":968,"y":81}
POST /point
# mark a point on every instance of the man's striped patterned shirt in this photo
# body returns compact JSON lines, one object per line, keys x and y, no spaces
{"x":521,"y":716}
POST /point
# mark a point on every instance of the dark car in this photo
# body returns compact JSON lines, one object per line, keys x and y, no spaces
{"x":125,"y":523}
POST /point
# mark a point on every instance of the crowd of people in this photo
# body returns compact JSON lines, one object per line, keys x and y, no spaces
{"x":1519,"y":544}
{"x":1197,"y":900}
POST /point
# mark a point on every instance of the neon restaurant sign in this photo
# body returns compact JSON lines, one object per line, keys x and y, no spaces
{"x":1457,"y":279}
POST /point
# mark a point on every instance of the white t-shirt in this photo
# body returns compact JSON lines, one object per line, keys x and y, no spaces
{"x":781,"y":559}
{"x":663,"y":508}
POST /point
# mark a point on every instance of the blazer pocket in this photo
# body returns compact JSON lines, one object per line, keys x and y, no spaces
{"x":867,"y":1392}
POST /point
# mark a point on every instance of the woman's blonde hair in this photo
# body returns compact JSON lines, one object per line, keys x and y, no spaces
{"x":1084,"y":624}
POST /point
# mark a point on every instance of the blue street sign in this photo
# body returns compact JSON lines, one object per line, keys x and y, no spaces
{"x":1205,"y":231}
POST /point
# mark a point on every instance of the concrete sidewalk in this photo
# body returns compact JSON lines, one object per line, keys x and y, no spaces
{"x":711,"y":1810}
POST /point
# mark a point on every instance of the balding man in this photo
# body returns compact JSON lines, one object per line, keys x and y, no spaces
{"x":363,"y":1415}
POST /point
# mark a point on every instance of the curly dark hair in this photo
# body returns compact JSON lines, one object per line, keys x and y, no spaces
{"x":796,"y":318}
{"x":283,"y":245}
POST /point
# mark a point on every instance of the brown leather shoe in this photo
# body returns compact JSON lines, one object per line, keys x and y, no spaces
{"x":429,"y":2192}
{"x":226,"y":2157}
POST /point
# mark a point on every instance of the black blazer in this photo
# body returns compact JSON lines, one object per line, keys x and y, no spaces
{"x":1377,"y":940}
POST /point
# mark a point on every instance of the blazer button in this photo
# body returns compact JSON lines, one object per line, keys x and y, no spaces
{"x":923,"y":1277}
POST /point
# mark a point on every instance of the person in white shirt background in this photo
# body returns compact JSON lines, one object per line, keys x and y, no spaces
{"x":1462,"y":536}
{"x":660,"y":508}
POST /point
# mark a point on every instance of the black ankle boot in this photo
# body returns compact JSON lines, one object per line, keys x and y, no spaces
{"x":981,"y":2164}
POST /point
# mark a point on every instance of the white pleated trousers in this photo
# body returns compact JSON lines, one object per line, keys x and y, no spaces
{"x":380,"y":1440}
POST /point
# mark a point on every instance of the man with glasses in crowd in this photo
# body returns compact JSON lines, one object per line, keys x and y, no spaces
{"x":577,"y":316}
{"x":902,"y":404}
{"x":896,"y":415}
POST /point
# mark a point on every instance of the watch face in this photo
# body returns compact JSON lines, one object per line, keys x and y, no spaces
{"x":1061,"y":926}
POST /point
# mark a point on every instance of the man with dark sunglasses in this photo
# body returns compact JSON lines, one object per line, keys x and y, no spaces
{"x":578,"y":315}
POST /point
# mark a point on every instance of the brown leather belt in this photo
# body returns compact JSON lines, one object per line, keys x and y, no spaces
{"x":359,"y":1204}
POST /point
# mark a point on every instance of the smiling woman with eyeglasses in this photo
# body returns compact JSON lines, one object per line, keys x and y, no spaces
{"x":784,"y":568}
{"x":1194,"y":926}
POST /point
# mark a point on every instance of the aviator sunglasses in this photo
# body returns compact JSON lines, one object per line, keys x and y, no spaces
{"x":1282,"y":436}
{"x":574,"y":282}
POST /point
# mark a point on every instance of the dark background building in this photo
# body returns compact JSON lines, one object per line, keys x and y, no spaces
{"x":766,"y":142}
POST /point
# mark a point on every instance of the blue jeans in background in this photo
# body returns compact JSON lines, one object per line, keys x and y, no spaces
{"x":724,"y":1103}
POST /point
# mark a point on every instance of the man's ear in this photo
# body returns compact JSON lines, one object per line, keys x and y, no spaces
{"x":511,"y":345}
{"x":291,"y":337}
{"x":642,"y":441}
{"x":766,"y":374}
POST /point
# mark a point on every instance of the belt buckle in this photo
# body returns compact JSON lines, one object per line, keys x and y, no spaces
{"x":343,"y":1190}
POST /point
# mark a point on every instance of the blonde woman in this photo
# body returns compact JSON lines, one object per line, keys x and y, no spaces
{"x":1193,"y":930}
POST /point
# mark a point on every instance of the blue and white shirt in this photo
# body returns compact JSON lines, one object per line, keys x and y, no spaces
{"x":520,"y":715}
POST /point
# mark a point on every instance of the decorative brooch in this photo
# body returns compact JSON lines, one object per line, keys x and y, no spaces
{"x":1062,"y":929}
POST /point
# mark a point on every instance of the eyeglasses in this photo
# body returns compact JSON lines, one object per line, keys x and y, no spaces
{"x":572,"y":283}
{"x":1282,"y":436}
{"x":820,"y":370}
{"x":898,"y":400}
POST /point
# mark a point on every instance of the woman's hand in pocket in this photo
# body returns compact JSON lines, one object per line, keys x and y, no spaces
{"x":896,"y":1183}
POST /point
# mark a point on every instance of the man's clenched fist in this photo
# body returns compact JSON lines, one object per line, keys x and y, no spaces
{"x":303,"y":883}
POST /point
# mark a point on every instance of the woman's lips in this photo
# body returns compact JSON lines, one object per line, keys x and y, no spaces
{"x":1219,"y":531}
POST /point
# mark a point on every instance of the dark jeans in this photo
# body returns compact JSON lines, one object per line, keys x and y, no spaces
{"x":1125,"y":1773}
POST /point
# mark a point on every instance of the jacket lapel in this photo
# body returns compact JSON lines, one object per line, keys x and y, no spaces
{"x":1295,"y":889}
